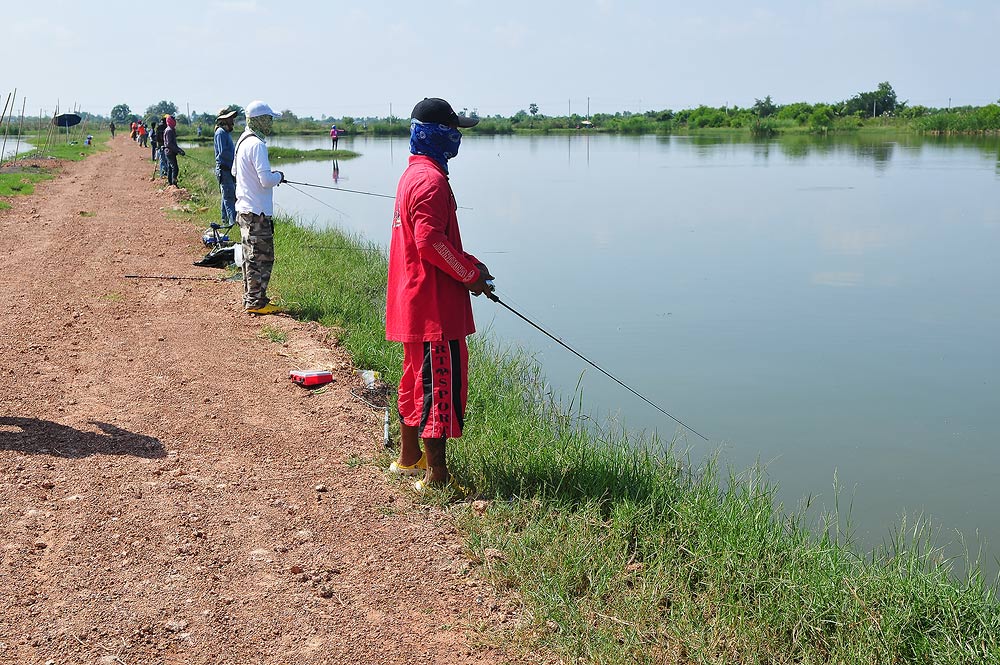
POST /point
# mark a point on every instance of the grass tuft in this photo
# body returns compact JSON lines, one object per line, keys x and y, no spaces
{"x":272,"y":334}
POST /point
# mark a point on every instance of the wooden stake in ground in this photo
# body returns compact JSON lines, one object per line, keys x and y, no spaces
{"x":10,"y":99}
{"x":4,"y":112}
{"x":20,"y":124}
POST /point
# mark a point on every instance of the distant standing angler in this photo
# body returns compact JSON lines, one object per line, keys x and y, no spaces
{"x":161,"y":128}
{"x":225,"y":153}
{"x":255,"y":205}
{"x":172,"y":150}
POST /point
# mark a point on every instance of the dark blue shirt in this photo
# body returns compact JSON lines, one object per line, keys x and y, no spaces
{"x":225,"y":150}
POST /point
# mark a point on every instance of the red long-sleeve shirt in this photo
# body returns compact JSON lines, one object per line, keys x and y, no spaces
{"x":427,"y":299}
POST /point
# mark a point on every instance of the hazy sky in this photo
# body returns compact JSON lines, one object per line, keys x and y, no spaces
{"x":358,"y":58}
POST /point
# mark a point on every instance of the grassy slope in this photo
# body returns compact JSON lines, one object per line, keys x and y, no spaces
{"x":623,"y":553}
{"x":19,"y":181}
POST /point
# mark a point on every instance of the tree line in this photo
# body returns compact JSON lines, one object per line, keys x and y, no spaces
{"x":763,"y":117}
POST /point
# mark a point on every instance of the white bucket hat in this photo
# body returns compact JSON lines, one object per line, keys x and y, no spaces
{"x":258,"y":108}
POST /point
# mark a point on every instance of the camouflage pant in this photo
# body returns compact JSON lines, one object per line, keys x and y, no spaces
{"x":258,"y":257}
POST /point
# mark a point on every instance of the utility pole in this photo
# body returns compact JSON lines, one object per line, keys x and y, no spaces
{"x":588,"y":108}
{"x":390,"y":113}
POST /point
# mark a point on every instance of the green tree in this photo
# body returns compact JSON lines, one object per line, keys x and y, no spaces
{"x":764,"y":107}
{"x":874,"y":103}
{"x":533,"y":110}
{"x":121,"y":114}
{"x":821,"y":118}
{"x":798,"y":112}
{"x":161,"y":109}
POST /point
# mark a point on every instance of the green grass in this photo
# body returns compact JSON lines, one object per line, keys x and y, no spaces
{"x":288,"y":155}
{"x":59,"y":146}
{"x":20,"y":182}
{"x":622,"y":549}
{"x":272,"y":334}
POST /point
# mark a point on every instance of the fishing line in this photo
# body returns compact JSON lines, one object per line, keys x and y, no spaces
{"x":320,"y":201}
{"x":330,"y":248}
{"x":384,"y":410}
{"x":340,"y":189}
{"x":200,"y":161}
{"x":493,"y":296}
{"x":289,"y":182}
{"x":352,"y":191}
{"x":336,"y":189}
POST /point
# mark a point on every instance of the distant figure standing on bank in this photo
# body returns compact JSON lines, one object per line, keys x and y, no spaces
{"x":172,"y":150}
{"x":161,"y":128}
{"x":111,"y":126}
{"x":333,"y":137}
{"x":152,"y":141}
{"x":255,"y":205}
{"x":225,"y":154}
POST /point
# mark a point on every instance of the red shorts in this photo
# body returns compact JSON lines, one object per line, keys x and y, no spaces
{"x":434,"y":387}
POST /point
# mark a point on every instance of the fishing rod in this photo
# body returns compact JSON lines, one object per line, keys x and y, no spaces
{"x":200,"y":279}
{"x":491,"y":294}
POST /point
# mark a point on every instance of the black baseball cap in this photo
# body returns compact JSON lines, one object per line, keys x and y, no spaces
{"x":433,"y":109}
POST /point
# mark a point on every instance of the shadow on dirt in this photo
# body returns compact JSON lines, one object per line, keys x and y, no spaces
{"x":44,"y":437}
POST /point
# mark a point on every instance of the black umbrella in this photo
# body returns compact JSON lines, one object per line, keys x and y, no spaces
{"x":66,"y":120}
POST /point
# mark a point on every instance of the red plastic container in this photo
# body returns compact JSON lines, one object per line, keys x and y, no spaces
{"x":310,"y":377}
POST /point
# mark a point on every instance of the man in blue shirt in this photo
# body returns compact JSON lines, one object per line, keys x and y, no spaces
{"x":225,"y":151}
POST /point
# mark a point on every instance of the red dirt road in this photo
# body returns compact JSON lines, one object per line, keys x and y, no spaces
{"x":167,"y":495}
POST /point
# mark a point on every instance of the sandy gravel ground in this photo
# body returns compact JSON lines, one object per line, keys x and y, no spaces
{"x":167,"y":495}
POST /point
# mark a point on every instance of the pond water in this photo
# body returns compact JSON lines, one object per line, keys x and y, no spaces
{"x":13,"y":147}
{"x":826,"y":307}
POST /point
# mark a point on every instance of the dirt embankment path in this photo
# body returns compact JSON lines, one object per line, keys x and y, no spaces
{"x":167,"y":495}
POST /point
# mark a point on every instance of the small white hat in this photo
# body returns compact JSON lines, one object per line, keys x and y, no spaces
{"x":258,"y":108}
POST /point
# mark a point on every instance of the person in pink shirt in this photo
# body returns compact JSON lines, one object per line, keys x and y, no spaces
{"x":334,"y":135}
{"x":428,"y":308}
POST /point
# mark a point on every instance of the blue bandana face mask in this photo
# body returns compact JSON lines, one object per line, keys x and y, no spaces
{"x":439,"y":142}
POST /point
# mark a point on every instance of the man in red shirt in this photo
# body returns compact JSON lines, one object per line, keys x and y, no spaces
{"x":428,"y":307}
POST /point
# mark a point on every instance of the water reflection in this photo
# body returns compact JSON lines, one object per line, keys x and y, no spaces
{"x":824,"y":303}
